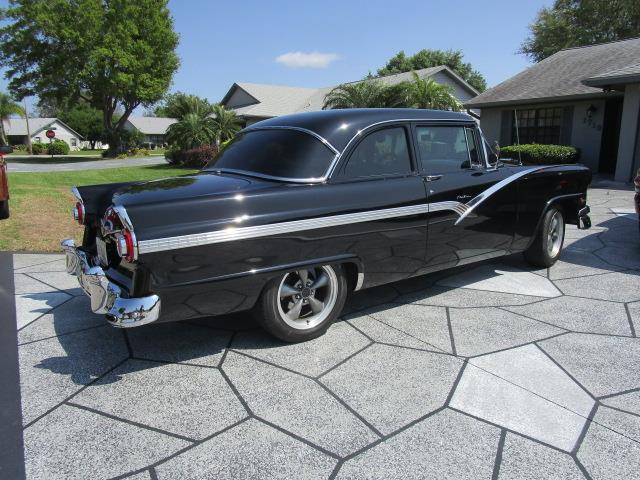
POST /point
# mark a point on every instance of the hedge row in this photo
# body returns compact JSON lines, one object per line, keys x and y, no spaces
{"x":57,"y":147}
{"x":194,"y":158}
{"x":538,"y":154}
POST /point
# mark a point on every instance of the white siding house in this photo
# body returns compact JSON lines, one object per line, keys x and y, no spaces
{"x":16,"y":131}
{"x":153,"y":129}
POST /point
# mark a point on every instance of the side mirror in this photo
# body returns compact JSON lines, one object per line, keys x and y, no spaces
{"x":6,"y":150}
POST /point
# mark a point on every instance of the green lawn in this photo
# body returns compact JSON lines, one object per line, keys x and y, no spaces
{"x":41,"y":204}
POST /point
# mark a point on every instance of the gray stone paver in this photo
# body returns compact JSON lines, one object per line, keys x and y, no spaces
{"x":309,"y":358}
{"x":524,"y":391}
{"x":71,"y":443}
{"x":604,"y":365}
{"x":391,"y":387}
{"x":180,"y":399}
{"x":605,"y":452}
{"x":182,"y":382}
{"x":523,"y":459}
{"x":297,"y":404}
{"x":251,"y":450}
{"x":445,"y":445}
{"x":495,"y":329}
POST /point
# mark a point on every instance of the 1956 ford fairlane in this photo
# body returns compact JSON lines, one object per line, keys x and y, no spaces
{"x":299,"y":210}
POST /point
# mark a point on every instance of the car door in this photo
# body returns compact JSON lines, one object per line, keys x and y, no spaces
{"x":380,"y":175}
{"x":455,"y":172}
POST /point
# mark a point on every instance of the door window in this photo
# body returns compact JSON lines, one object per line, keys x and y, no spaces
{"x":446,"y":149}
{"x":383,"y":152}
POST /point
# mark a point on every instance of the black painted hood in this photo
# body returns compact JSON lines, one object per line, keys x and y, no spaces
{"x":175,"y":189}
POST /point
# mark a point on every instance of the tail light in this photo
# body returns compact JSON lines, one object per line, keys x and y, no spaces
{"x":126,"y":245}
{"x":78,"y":213}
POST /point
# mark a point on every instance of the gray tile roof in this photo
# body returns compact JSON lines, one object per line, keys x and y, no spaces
{"x":562,"y":74}
{"x":617,"y":76}
{"x":277,"y":100}
{"x":152,"y":125}
{"x":18,"y":126}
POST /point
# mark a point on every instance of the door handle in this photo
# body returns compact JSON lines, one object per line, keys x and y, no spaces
{"x":432,"y":178}
{"x":463,"y":197}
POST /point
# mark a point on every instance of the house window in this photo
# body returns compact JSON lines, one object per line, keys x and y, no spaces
{"x":37,"y":139}
{"x":541,"y":125}
{"x":74,"y":142}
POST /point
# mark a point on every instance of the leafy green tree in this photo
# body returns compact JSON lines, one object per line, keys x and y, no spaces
{"x":177,"y":105}
{"x":427,"y":93}
{"x":85,"y":120}
{"x":225,"y":123}
{"x":428,"y":58}
{"x":8,"y":107}
{"x":575,"y":23}
{"x":115,"y":55}
{"x":369,"y":93}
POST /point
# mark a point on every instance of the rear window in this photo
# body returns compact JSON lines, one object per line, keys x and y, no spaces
{"x":277,"y":153}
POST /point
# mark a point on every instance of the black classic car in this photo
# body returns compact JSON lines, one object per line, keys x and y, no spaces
{"x":298,"y":211}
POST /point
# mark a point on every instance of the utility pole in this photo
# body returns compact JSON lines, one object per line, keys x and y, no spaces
{"x":26,"y":118}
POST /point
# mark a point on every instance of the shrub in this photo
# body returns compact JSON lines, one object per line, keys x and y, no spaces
{"x":192,"y":158}
{"x":58,"y":147}
{"x":538,"y":154}
{"x":38,"y":148}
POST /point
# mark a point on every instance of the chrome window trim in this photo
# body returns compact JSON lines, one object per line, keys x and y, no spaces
{"x":321,"y":179}
{"x":334,"y":164}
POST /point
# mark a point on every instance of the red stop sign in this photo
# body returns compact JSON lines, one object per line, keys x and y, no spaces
{"x":50,"y":134}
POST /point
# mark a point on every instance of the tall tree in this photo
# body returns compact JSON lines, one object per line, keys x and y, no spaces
{"x":428,"y":58}
{"x":179,"y":104}
{"x":8,"y":107}
{"x":575,"y":23}
{"x":116,"y":54}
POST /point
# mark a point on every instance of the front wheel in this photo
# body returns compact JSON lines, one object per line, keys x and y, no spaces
{"x":302,"y":304}
{"x":547,"y":245}
{"x":4,"y":209}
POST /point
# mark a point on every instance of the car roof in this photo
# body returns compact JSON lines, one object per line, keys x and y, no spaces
{"x":338,"y":126}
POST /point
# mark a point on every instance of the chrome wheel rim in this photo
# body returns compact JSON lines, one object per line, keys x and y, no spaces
{"x":307,"y":296}
{"x":555,"y":234}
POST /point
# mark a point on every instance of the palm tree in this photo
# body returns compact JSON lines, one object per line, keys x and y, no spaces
{"x":187,"y":104}
{"x":364,"y":94}
{"x":427,"y":93}
{"x":225,"y":123}
{"x":7,"y":108}
{"x":192,"y":131}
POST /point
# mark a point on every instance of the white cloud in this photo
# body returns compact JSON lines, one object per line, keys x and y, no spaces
{"x":306,"y":60}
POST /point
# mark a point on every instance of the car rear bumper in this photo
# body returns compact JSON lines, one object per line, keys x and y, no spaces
{"x":107,"y":297}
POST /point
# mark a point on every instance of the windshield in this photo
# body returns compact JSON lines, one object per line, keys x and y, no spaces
{"x":276,"y":153}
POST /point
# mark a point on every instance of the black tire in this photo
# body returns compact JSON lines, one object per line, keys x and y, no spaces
{"x":4,"y":209}
{"x":547,"y":245}
{"x":270,"y":310}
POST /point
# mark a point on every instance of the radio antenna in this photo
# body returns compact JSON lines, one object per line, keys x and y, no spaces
{"x":515,"y":115}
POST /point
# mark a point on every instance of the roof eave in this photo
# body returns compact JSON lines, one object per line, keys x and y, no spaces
{"x":602,"y":82}
{"x":529,"y":101}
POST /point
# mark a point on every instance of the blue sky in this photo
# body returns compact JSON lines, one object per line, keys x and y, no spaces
{"x":226,"y":42}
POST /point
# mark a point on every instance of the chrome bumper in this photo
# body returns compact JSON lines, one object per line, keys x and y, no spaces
{"x":106,"y":297}
{"x":584,"y":222}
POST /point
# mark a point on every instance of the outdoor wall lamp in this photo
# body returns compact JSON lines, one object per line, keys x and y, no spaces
{"x":591,"y":110}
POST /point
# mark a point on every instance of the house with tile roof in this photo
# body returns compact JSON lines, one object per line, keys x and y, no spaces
{"x":153,"y":129}
{"x":18,"y":133}
{"x":588,"y":97}
{"x":253,"y":102}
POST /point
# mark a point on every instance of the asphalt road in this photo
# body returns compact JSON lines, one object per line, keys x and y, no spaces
{"x":98,"y":164}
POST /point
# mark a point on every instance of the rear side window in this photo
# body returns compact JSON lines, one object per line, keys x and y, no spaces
{"x":383,"y":152}
{"x":444,"y":149}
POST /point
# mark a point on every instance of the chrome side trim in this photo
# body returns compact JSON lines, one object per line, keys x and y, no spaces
{"x":270,"y":177}
{"x":481,"y":197}
{"x":76,"y":193}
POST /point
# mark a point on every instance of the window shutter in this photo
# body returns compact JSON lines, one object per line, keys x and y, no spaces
{"x":567,"y":125}
{"x":505,"y":128}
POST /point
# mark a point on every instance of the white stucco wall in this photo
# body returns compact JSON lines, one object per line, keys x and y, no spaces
{"x":628,"y":134}
{"x":490,"y":124}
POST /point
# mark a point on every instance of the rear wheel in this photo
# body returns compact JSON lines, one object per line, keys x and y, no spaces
{"x":4,"y":209}
{"x":302,"y":304}
{"x":547,"y":246}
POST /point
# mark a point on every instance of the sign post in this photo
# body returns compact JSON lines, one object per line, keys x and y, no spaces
{"x":51,"y":134}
